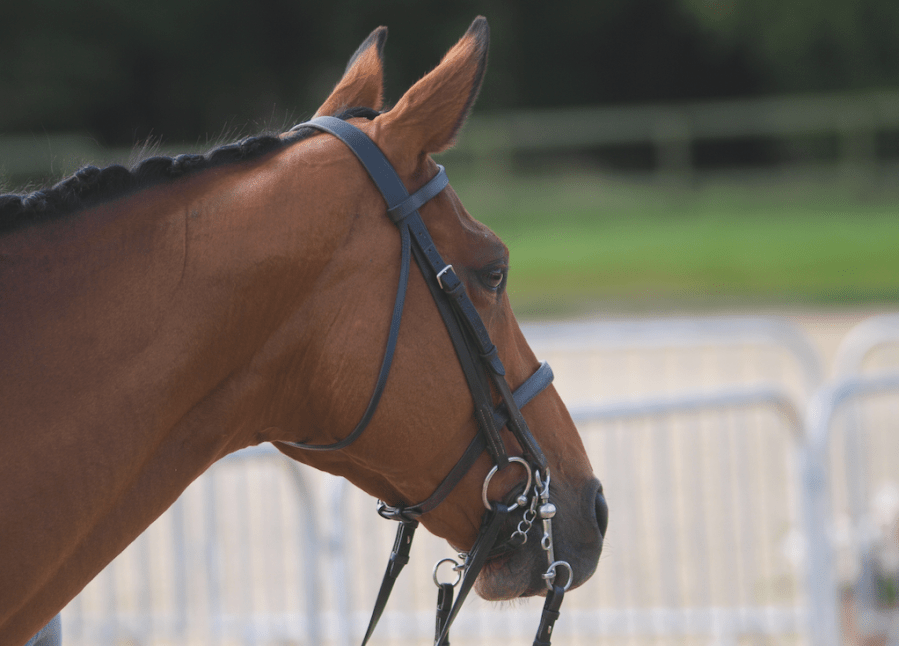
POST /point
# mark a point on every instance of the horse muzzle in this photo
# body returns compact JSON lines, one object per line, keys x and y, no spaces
{"x":583,"y":522}
{"x":519,"y":568}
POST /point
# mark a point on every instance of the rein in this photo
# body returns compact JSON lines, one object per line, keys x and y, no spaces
{"x":484,"y":372}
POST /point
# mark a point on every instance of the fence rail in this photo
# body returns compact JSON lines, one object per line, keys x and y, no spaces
{"x":728,"y":480}
{"x":855,"y":119}
{"x":781,"y":116}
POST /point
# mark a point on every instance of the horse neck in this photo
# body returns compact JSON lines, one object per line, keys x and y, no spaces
{"x":129,"y":333}
{"x":160,"y":296}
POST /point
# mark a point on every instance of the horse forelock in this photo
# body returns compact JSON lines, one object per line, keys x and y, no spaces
{"x":91,"y":185}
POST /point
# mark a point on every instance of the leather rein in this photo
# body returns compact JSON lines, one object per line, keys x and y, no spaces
{"x":484,"y":372}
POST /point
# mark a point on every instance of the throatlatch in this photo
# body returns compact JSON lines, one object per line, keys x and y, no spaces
{"x":483,"y":372}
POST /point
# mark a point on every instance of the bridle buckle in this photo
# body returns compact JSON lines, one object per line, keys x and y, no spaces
{"x":441,"y":272}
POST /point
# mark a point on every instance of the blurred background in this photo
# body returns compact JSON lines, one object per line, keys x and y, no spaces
{"x":700,"y":198}
{"x":682,"y":152}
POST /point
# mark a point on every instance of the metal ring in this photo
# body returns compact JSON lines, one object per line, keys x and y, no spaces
{"x":495,"y":469}
{"x":550,"y":574}
{"x":457,"y":568}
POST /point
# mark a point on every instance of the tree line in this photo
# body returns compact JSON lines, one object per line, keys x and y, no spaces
{"x":184,"y":71}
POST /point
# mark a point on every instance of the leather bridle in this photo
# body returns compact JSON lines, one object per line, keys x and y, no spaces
{"x":484,"y":373}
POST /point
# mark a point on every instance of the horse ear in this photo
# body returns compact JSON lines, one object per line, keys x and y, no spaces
{"x":362,"y":84}
{"x":429,"y":116}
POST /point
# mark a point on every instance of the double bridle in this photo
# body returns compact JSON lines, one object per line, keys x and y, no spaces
{"x":484,"y":372}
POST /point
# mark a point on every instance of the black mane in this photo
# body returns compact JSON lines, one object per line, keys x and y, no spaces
{"x":91,"y":185}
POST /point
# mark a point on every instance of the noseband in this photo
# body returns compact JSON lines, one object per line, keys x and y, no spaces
{"x":484,"y":373}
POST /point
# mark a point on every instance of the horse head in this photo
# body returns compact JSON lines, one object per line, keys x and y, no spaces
{"x":425,"y":417}
{"x":158,"y":318}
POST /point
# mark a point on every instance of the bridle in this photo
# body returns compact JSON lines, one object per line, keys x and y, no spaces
{"x":484,"y":373}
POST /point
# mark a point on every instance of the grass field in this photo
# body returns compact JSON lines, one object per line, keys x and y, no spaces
{"x":584,"y":240}
{"x":577,"y":240}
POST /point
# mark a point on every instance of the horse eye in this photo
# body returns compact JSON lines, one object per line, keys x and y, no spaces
{"x":494,"y":278}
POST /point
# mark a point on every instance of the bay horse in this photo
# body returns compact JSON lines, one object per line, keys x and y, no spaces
{"x":157,"y":319}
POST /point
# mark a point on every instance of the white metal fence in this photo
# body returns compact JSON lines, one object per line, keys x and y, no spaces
{"x":744,"y":501}
{"x":854,"y":431}
{"x":234,"y":560}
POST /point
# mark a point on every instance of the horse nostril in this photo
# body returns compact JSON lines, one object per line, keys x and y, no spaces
{"x":602,"y":512}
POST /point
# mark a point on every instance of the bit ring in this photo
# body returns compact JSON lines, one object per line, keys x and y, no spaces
{"x":493,"y":471}
{"x":550,"y":575}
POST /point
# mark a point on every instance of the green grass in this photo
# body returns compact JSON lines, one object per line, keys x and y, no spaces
{"x":584,"y":239}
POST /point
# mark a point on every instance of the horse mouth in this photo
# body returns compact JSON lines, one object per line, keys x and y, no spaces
{"x":517,"y":571}
{"x":510,"y":575}
{"x":495,"y":563}
{"x":513,"y":571}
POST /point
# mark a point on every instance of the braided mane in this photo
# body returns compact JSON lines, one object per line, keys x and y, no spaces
{"x":91,"y":185}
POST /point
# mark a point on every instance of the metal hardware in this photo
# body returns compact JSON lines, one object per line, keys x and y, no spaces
{"x":518,"y":503}
{"x":547,"y":511}
{"x":527,"y":520}
{"x":550,"y":575}
{"x":457,"y":568}
{"x":441,"y":272}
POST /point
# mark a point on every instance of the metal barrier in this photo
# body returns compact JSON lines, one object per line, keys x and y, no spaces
{"x":871,"y":344}
{"x":842,"y":556}
{"x":666,"y":569}
{"x":226,"y":564}
{"x":854,"y":426}
{"x":631,"y":360}
{"x":703,"y":546}
{"x":722,"y":513}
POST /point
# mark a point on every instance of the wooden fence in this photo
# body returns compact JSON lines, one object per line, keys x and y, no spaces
{"x":857,"y":124}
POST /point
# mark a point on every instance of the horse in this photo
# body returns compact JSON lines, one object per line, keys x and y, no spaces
{"x":157,"y":318}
